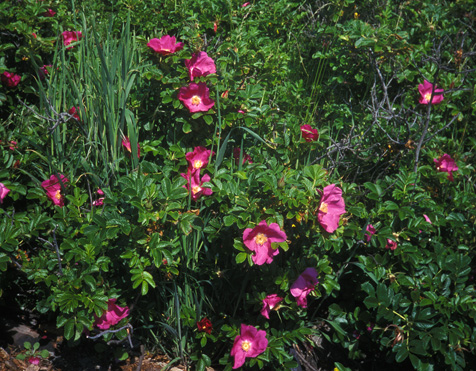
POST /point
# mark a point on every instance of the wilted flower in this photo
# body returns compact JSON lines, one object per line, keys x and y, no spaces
{"x":196,"y":184}
{"x":34,"y":360}
{"x":259,"y":241}
{"x":165,"y":45}
{"x":200,"y":65}
{"x":49,"y":13}
{"x":126,"y":143}
{"x":305,"y":283}
{"x":205,"y":326}
{"x":371,"y":231}
{"x":10,"y":80}
{"x":198,"y":159}
{"x":392,"y":245}
{"x":196,"y":97}
{"x":446,"y":164}
{"x":249,"y":344}
{"x":246,"y":157}
{"x":70,"y":36}
{"x":112,"y":316}
{"x":269,"y":303}
{"x":224,"y":95}
{"x":52,"y":187}
{"x":425,"y":91}
{"x":308,"y":133}
{"x":3,"y":192}
{"x":100,"y":200}
{"x":43,"y":71}
{"x":331,"y":207}
{"x":73,"y":111}
{"x":13,"y":145}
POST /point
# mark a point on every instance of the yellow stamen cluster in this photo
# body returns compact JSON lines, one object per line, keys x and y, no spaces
{"x":196,"y":189}
{"x":198,"y":164}
{"x":260,"y":239}
{"x":323,"y":207}
{"x":246,"y":345}
{"x":196,"y":100}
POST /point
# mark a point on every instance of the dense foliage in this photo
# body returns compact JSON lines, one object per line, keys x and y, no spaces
{"x":339,"y":142}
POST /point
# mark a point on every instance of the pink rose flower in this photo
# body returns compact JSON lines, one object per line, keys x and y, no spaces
{"x":309,"y":134}
{"x":112,"y":316}
{"x":270,"y":302}
{"x":392,"y":245}
{"x":331,"y":207}
{"x":165,"y":45}
{"x":200,"y":65}
{"x":49,"y":13}
{"x":302,"y":287}
{"x":198,"y":159}
{"x":244,"y":5}
{"x":425,"y":91}
{"x":100,"y":200}
{"x":371,"y":231}
{"x":446,"y":164}
{"x":236,"y":156}
{"x":249,"y":344}
{"x":126,"y":143}
{"x":10,"y":80}
{"x":196,"y":184}
{"x":259,"y":241}
{"x":70,"y":36}
{"x":3,"y":192}
{"x":427,"y":218}
{"x":196,"y":97}
{"x":52,"y":187}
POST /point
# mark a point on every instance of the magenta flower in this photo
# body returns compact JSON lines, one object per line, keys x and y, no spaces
{"x":100,"y":200}
{"x":126,"y":143}
{"x":165,"y":45}
{"x":200,"y":65}
{"x":10,"y":80}
{"x":246,"y":157}
{"x":270,"y":302}
{"x":249,"y":344}
{"x":427,"y":218}
{"x":309,"y":134}
{"x":371,"y":231}
{"x":112,"y":316}
{"x":331,"y":207}
{"x":425,"y":91}
{"x":73,"y":111}
{"x":34,"y":360}
{"x":43,"y":71}
{"x":3,"y":192}
{"x":196,"y":97}
{"x":259,"y":241}
{"x":244,"y":5}
{"x":392,"y":245}
{"x":70,"y":36}
{"x":52,"y":187}
{"x":49,"y":13}
{"x":446,"y":164}
{"x":305,"y":283}
{"x":196,"y":186}
{"x":13,"y":145}
{"x":198,"y":159}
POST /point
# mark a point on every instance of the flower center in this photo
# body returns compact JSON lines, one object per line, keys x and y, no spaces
{"x":196,"y":189}
{"x":427,"y":96}
{"x":246,"y":345}
{"x":196,"y":100}
{"x":58,"y":194}
{"x":323,"y":207}
{"x":198,"y":164}
{"x":260,"y":239}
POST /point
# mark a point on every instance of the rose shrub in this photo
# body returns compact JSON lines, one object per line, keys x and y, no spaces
{"x":341,"y":222}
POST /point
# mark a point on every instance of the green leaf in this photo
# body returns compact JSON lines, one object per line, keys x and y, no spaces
{"x":241,"y":257}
